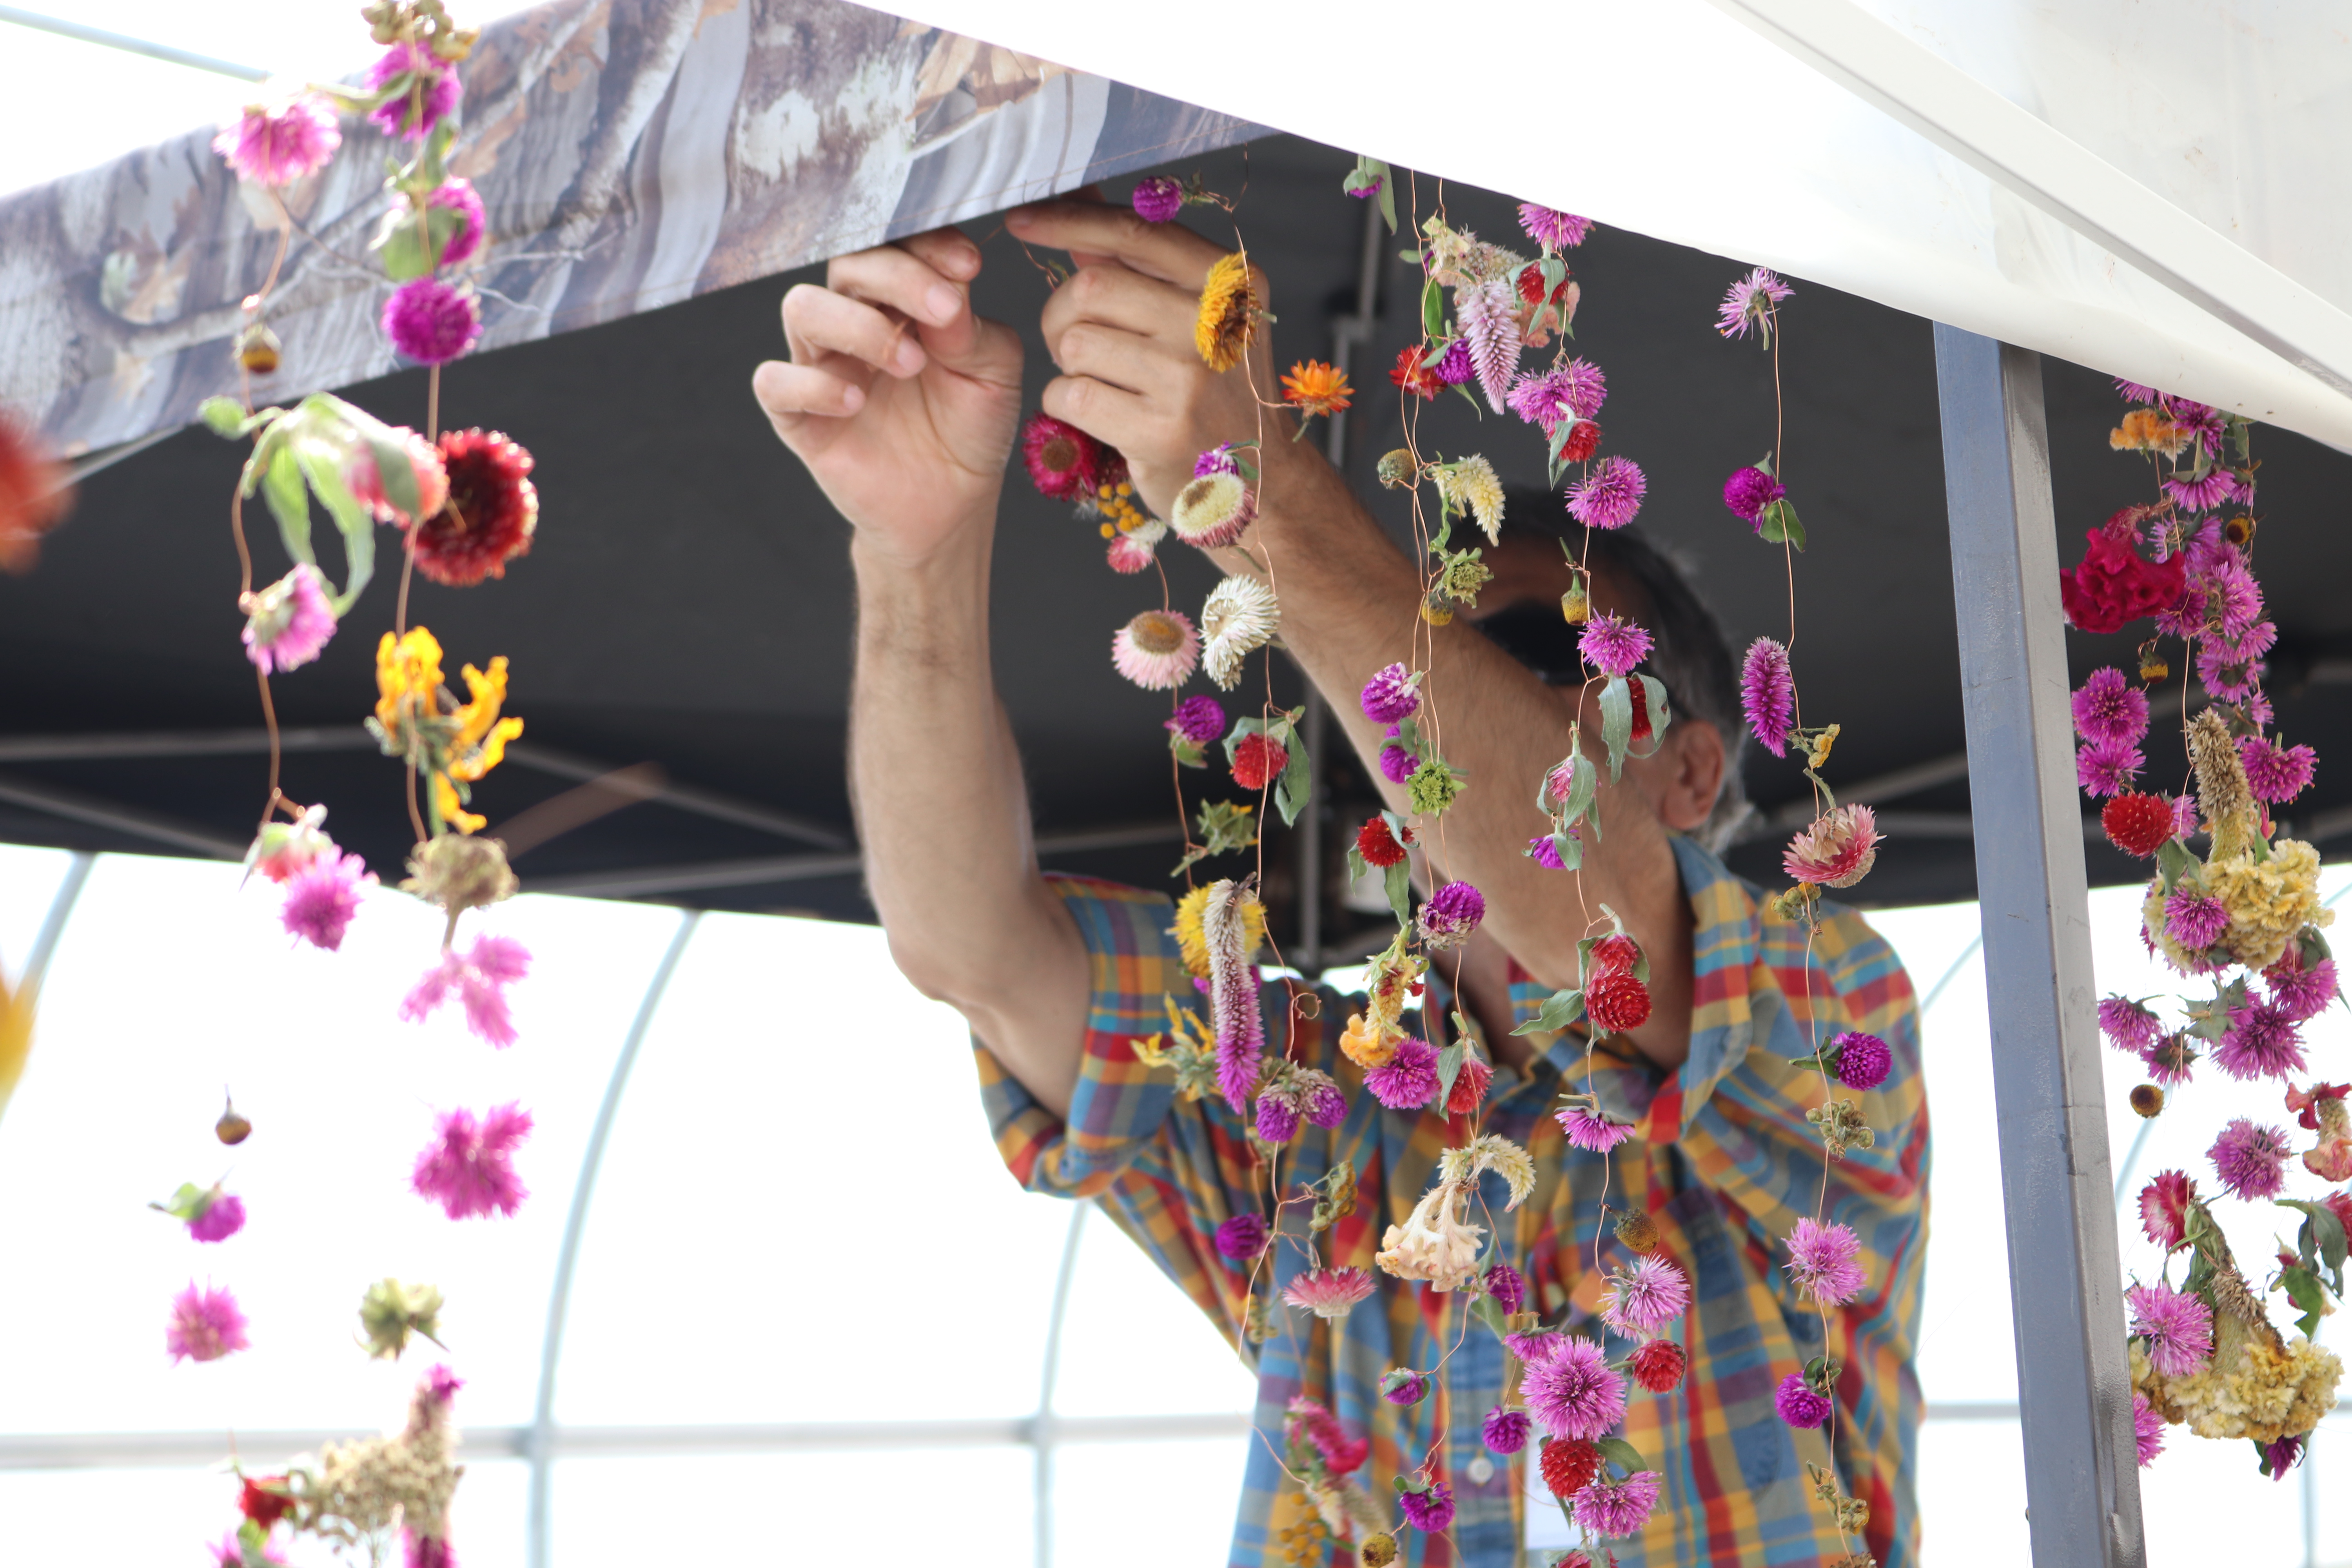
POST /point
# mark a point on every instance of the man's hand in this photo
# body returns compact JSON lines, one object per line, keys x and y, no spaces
{"x":902,"y":403}
{"x":1120,"y":331}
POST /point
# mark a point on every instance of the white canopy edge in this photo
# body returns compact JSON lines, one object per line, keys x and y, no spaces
{"x":1813,"y":137}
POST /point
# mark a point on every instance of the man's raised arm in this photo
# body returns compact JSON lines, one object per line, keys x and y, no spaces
{"x":903,"y":404}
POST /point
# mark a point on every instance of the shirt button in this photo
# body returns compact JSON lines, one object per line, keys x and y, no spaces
{"x":1480,"y":1470}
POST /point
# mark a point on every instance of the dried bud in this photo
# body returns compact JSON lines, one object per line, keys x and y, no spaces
{"x":2153,"y":667}
{"x":2147,"y":1100}
{"x":1637,"y":1230}
{"x":391,"y":1312}
{"x":1576,"y":605}
{"x":257,"y":349}
{"x":232,"y":1129}
{"x":1398,"y":470}
{"x":1437,"y":609}
{"x":1377,"y":1551}
{"x":456,"y":872}
{"x":2239,"y":530}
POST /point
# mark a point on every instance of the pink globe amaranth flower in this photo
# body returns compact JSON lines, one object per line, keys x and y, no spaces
{"x":2133,"y":392}
{"x":290,"y":622}
{"x":2218,"y":488}
{"x":230,"y":1553}
{"x":205,"y":1325}
{"x":1572,"y":391}
{"x":1503,"y":1430}
{"x":1837,"y":850}
{"x":1452,"y":913}
{"x":1407,"y":1081}
{"x":1545,"y":853}
{"x":1217,"y":459}
{"x":2147,"y":1430}
{"x":1612,"y":645}
{"x":480,"y":977}
{"x":1198,"y":720}
{"x":2194,"y":919}
{"x":1428,"y":1512}
{"x":1276,"y":1118}
{"x":1454,"y":366}
{"x":2184,"y":815}
{"x":2262,"y":1041}
{"x":468,"y":1168}
{"x":1863,"y":1060}
{"x":217,"y":1220}
{"x":1390,"y":696}
{"x":2129,"y":1025}
{"x":431,"y":322}
{"x":1590,"y":1133}
{"x":1799,"y":1404}
{"x":1157,"y":651}
{"x":2177,"y":1327}
{"x":1400,"y":1386}
{"x":1616,"y":1509}
{"x":1539,"y":1346}
{"x":1488,"y":315}
{"x":2171,"y":1060}
{"x":1747,"y":302}
{"x":1645,"y":1297}
{"x":1748,"y":492}
{"x":412,"y":116}
{"x":2106,"y":771}
{"x":1574,"y":1391}
{"x":1509,"y":1286}
{"x":2249,"y":1159}
{"x":1328,"y":1292}
{"x":1397,"y":765}
{"x":2234,"y":600}
{"x":2276,"y":773}
{"x":1823,"y":1260}
{"x":2109,"y":710}
{"x":1242,"y":1236}
{"x":1157,"y":198}
{"x":2300,"y":994}
{"x":425,"y":1551}
{"x":2164,"y":1209}
{"x":1325,"y":1107}
{"x":457,"y":194}
{"x":2233,"y":672}
{"x":1768,"y":694}
{"x":321,"y":899}
{"x":1608,"y":494}
{"x":276,"y":145}
{"x":1553,"y":229}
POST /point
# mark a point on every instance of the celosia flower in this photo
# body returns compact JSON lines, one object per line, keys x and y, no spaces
{"x":1157,"y":198}
{"x":2129,"y":1025}
{"x":480,"y":977}
{"x":457,"y":194}
{"x":290,"y":622}
{"x":431,"y":322}
{"x":1377,"y":845}
{"x":1799,"y":1404}
{"x":1158,"y":650}
{"x":1768,"y":694}
{"x":1397,"y":765}
{"x":1505,"y":1430}
{"x":2109,"y":710}
{"x":1328,"y":1292}
{"x":2249,"y":1159}
{"x":2147,"y":1430}
{"x":2262,"y":1041}
{"x":1864,"y":1061}
{"x":468,"y":1168}
{"x":411,"y":115}
{"x":1428,"y":1512}
{"x":2107,"y":770}
{"x":1452,"y":913}
{"x":1659,"y":1365}
{"x":205,"y":1325}
{"x":1242,"y":1236}
{"x":1392,"y":695}
{"x":1748,"y":492}
{"x":2276,"y":773}
{"x":1228,"y":315}
{"x":2301,"y":994}
{"x":1750,"y":302}
{"x":1436,"y":1242}
{"x":1231,"y":925}
{"x":321,"y":899}
{"x":1469,"y":485}
{"x":2114,"y":584}
{"x":1407,"y":1079}
{"x":1590,"y":1132}
{"x":1574,"y":1391}
{"x":1608,"y":494}
{"x":1314,"y":387}
{"x":277,"y":145}
{"x":1551,"y":229}
{"x":2218,"y":488}
{"x":491,"y":513}
{"x":1614,"y":1509}
{"x":2194,"y":919}
{"x":219,"y":1216}
{"x":1572,"y":391}
{"x":1612,"y":645}
{"x":1823,"y":1261}
{"x":365,"y":483}
{"x":1488,"y":315}
{"x":1064,"y":462}
{"x":1198,"y":720}
{"x":1837,"y":850}
{"x":1416,"y":378}
{"x":1509,"y":1287}
{"x":2177,"y":1325}
{"x":1240,"y":618}
{"x":2164,"y":1209}
{"x":1645,"y":1297}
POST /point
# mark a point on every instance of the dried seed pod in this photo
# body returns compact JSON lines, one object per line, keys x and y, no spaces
{"x":1638,"y":1231}
{"x":2147,"y":1100}
{"x":232,"y":1129}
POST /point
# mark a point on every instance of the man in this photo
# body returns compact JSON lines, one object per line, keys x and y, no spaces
{"x":904,"y":406}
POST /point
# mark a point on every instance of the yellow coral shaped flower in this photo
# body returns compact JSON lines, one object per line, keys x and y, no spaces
{"x":407,"y":675}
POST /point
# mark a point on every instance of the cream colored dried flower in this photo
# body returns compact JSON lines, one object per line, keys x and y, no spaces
{"x":1436,"y":1242}
{"x":1469,"y":485}
{"x":1240,"y":618}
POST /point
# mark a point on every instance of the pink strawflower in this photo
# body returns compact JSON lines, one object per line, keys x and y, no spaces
{"x":218,"y":1220}
{"x":480,"y":977}
{"x":1241,"y":1238}
{"x":1590,"y":1133}
{"x":1505,"y":1430}
{"x":1837,"y":850}
{"x":1157,"y":198}
{"x":430,"y":322}
{"x":1749,"y":303}
{"x":1198,"y":719}
{"x":1553,"y":229}
{"x":1390,"y":696}
{"x":287,"y":623}
{"x":457,"y":194}
{"x":2164,"y":1209}
{"x":1768,"y":693}
{"x":2262,"y":1041}
{"x":468,"y":1168}
{"x":1748,"y":492}
{"x":2147,"y":1430}
{"x":2250,"y":1159}
{"x":1645,"y":1297}
{"x":2274,"y":772}
{"x":2177,"y":1325}
{"x":1614,"y":1509}
{"x":1488,"y":315}
{"x":1572,"y":391}
{"x":1428,"y":1512}
{"x":2194,"y":919}
{"x":1407,"y":1081}
{"x":321,"y":899}
{"x":2109,"y":710}
{"x":1862,"y":1060}
{"x":1799,"y":1404}
{"x":1328,"y":1292}
{"x":1452,"y":913}
{"x":205,"y":1325}
{"x":2301,"y":994}
{"x":2218,"y":488}
{"x":1823,"y":1260}
{"x":2104,"y":770}
{"x":1128,"y":554}
{"x":2129,"y":1025}
{"x":412,"y":116}
{"x":1574,"y":1391}
{"x":1157,"y":651}
{"x":278,"y":145}
{"x":1509,"y":1286}
{"x":1612,"y":645}
{"x":1608,"y":494}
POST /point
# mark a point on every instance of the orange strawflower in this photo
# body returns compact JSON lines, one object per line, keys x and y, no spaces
{"x":1313,"y":387}
{"x":1228,"y":317}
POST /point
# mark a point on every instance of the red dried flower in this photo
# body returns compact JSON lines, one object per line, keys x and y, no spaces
{"x":490,"y":515}
{"x":1642,"y":727}
{"x":1377,"y":845}
{"x":1617,"y":1000}
{"x":32,"y":495}
{"x":1615,"y":954}
{"x":1658,"y":1366}
{"x":2137,"y":823}
{"x":1469,"y":1087}
{"x":261,"y":1504}
{"x":1409,"y":372}
{"x":1258,"y":762}
{"x":1531,"y":285}
{"x":1569,"y":1466}
{"x":1064,"y":462}
{"x":1584,"y":440}
{"x":2114,"y":584}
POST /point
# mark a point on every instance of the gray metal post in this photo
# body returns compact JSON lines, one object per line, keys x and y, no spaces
{"x":1043,"y":1427}
{"x":2065,"y":1276}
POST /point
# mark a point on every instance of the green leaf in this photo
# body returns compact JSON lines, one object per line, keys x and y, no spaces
{"x":1559,"y":1010}
{"x":1569,"y":849}
{"x":1654,"y":692}
{"x":1432,"y":309}
{"x":223,"y":416}
{"x":355,"y":523}
{"x":1780,"y":526}
{"x":1397,"y":882}
{"x":2174,"y":861}
{"x":1583,"y":781}
{"x":1622,"y":1454}
{"x":1449,"y":1067}
{"x":1290,"y":792}
{"x":1483,"y":1308}
{"x":2302,"y":1287}
{"x":185,"y":1203}
{"x":2321,"y":1241}
{"x":1388,"y":199}
{"x":1616,"y":724}
{"x":289,"y":500}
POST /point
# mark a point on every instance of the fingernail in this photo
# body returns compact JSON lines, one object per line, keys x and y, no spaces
{"x":908,"y":358}
{"x":1020,"y":217}
{"x":944,"y":303}
{"x":853,"y":398}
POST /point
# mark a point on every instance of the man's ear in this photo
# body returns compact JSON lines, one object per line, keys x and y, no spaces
{"x":1698,"y":777}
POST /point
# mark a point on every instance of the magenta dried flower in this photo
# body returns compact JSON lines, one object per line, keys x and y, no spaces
{"x":1407,"y":1081}
{"x":1615,"y":1508}
{"x":1198,"y":720}
{"x":322,"y":898}
{"x":2234,"y":600}
{"x":1454,"y":366}
{"x":1428,"y":1512}
{"x":1325,"y":1107}
{"x":1397,"y":765}
{"x":1217,"y":459}
{"x":1157,"y":198}
{"x":2249,"y":1159}
{"x":1452,"y":913}
{"x":1504,"y":1431}
{"x":1612,"y":645}
{"x":1509,"y":1286}
{"x":480,"y":977}
{"x":2177,"y":1325}
{"x":1402,"y":1386}
{"x":1241,"y":1238}
{"x":457,"y":194}
{"x":1749,"y":303}
{"x":287,"y":623}
{"x":468,"y":1168}
{"x":278,"y":145}
{"x":1277,"y":1119}
{"x":2218,"y":488}
{"x":222,"y":1216}
{"x":2106,"y":770}
{"x":1546,"y":399}
{"x":205,"y":1325}
{"x":1768,"y":694}
{"x":1748,"y":492}
{"x":1391,"y":695}
{"x":2300,"y":994}
{"x":1574,"y":1391}
{"x":2109,"y":710}
{"x":1545,"y":853}
{"x":1608,"y":494}
{"x":1863,"y":1061}
{"x":2169,"y":1060}
{"x":1645,"y":1297}
{"x":2276,"y":773}
{"x":2147,"y":1430}
{"x":1798,"y":1403}
{"x":2194,"y":919}
{"x":431,"y":322}
{"x":2262,"y":1041}
{"x":1590,"y":1133}
{"x":412,"y":115}
{"x":1553,"y":229}
{"x":1823,"y":1260}
{"x":2129,"y":1025}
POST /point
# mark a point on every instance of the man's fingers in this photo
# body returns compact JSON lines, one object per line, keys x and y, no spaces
{"x":1117,"y":297}
{"x":1107,"y":413}
{"x":1167,"y":251}
{"x":1108,"y":354}
{"x":900,"y":280}
{"x":818,"y":321}
{"x":788,"y":393}
{"x":947,"y":251}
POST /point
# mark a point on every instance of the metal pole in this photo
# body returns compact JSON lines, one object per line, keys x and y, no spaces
{"x":53,"y":924}
{"x":542,"y":1436}
{"x":2065,"y":1274}
{"x":1042,"y":1429}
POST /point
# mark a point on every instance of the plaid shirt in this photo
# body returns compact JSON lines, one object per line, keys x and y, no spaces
{"x":1722,"y":1160}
